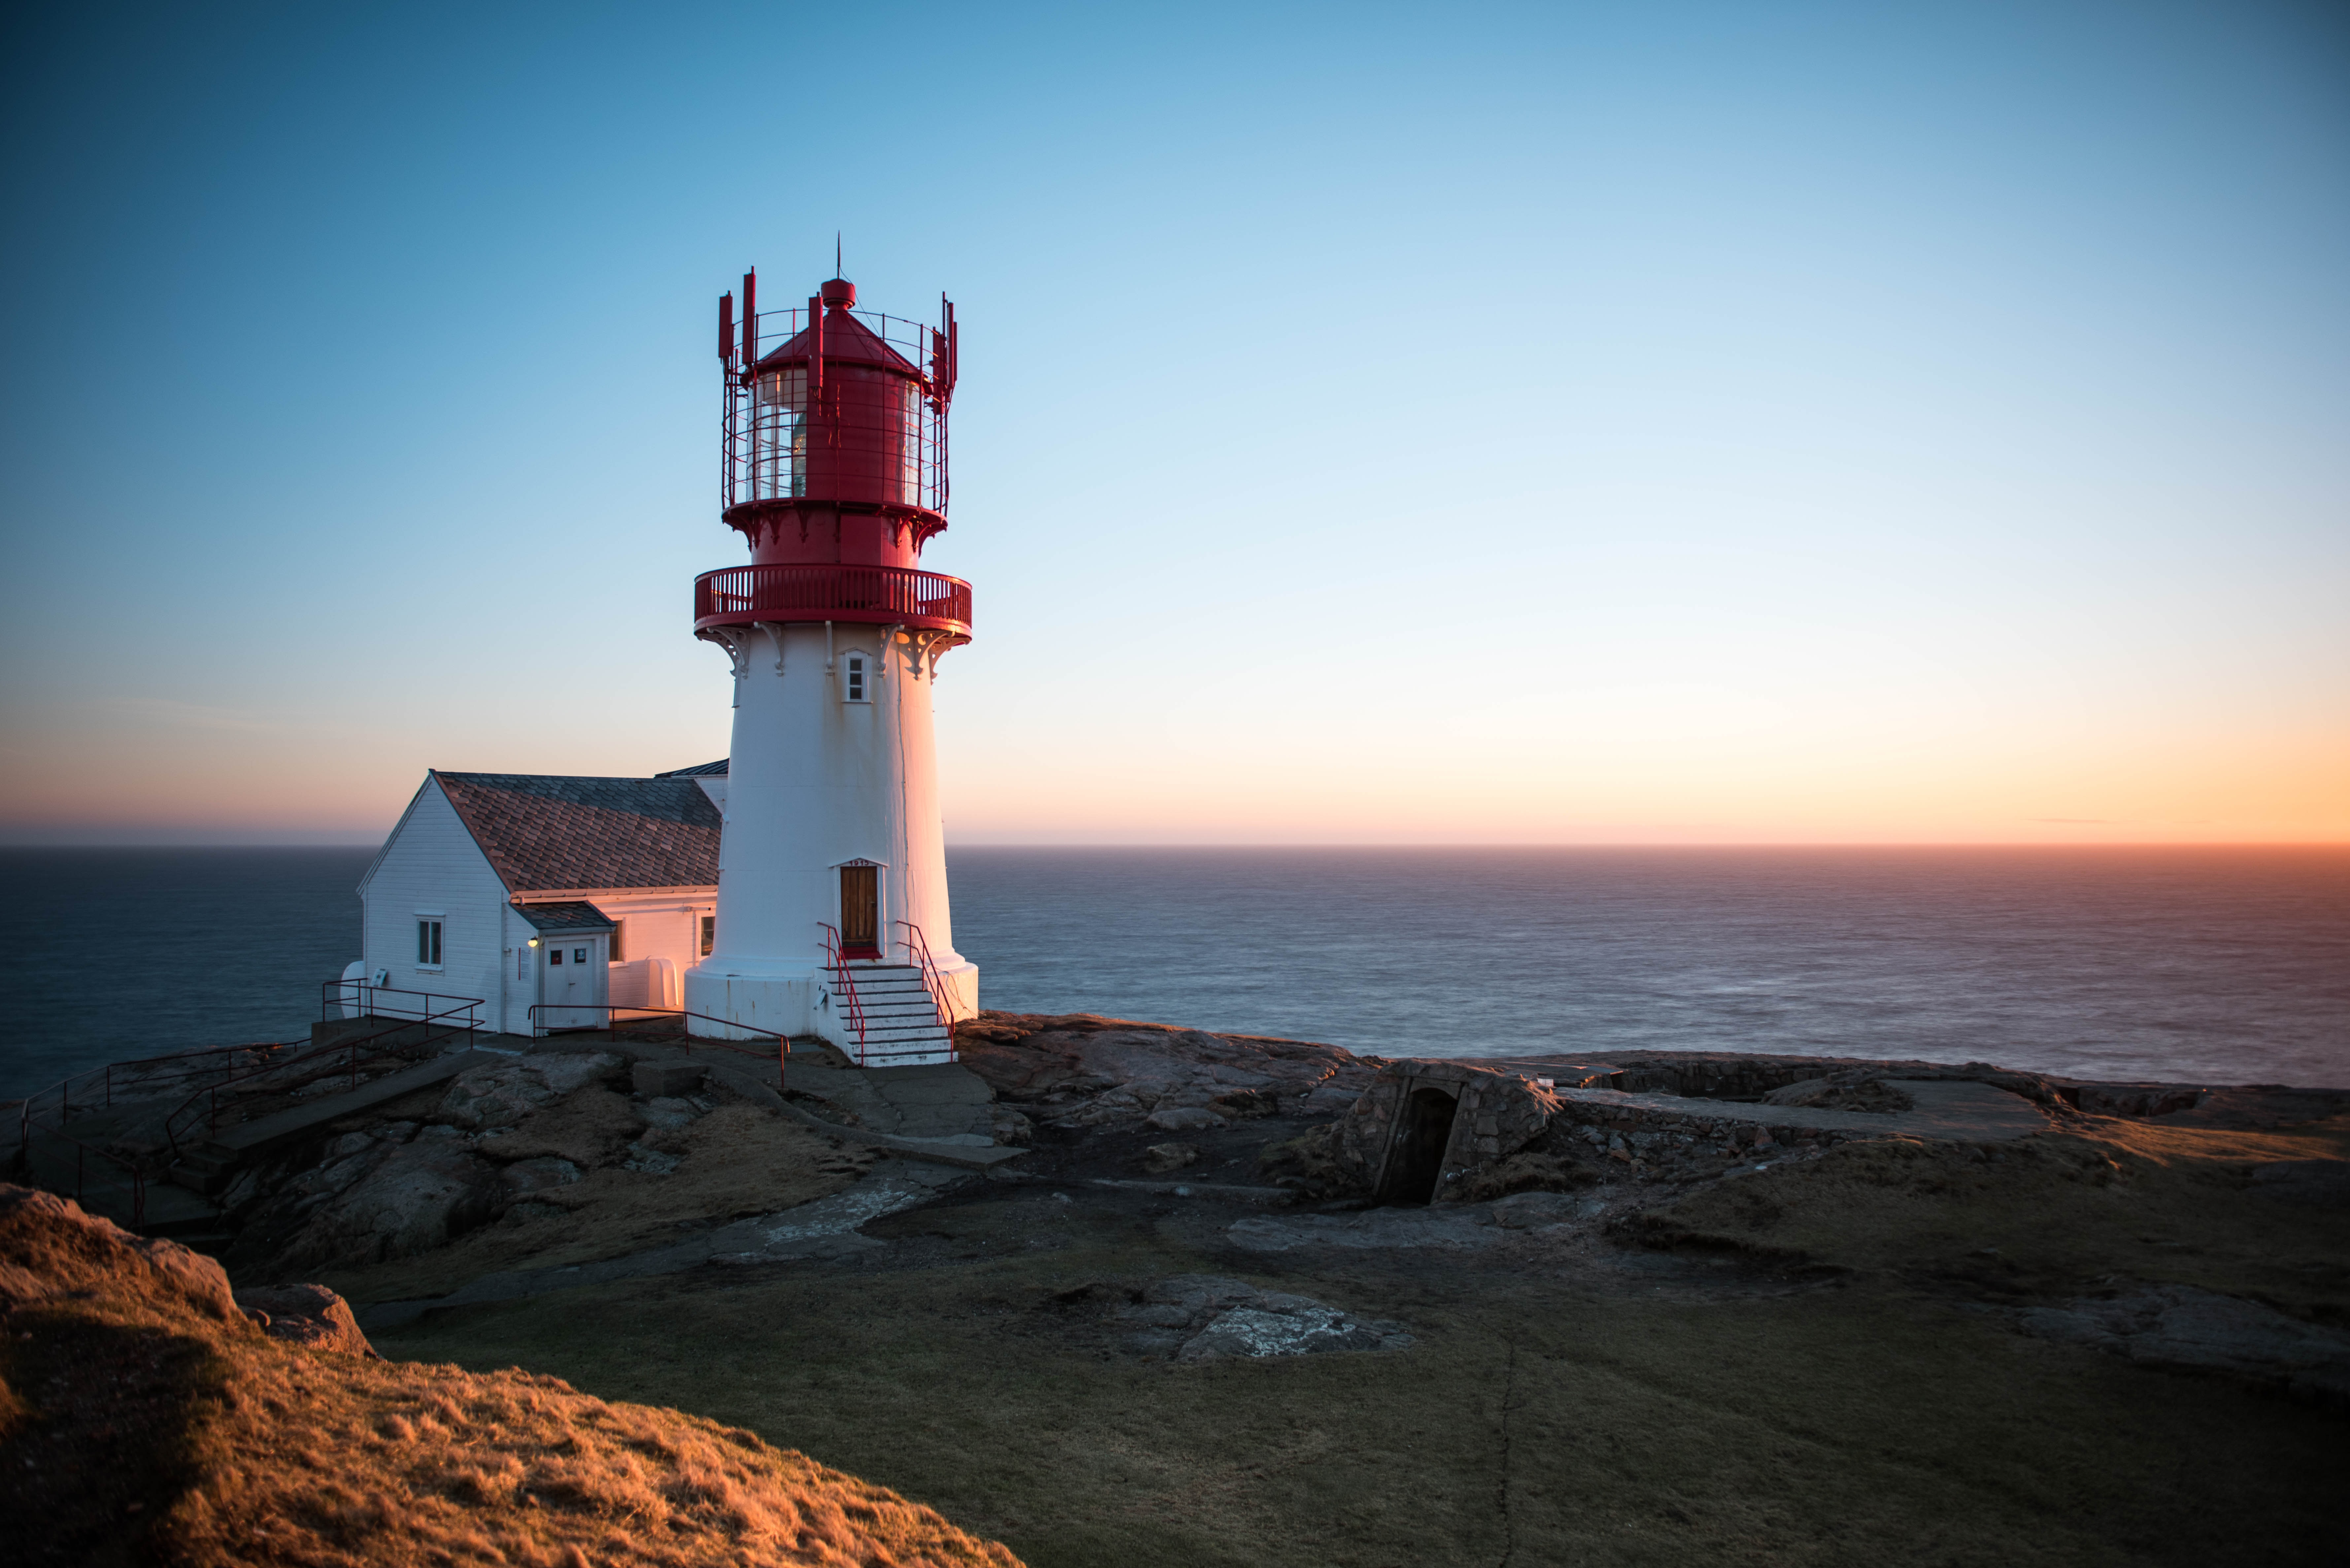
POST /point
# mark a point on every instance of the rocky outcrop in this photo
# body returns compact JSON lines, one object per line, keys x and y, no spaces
{"x":376,"y":1198}
{"x":49,"y":1249}
{"x":503,"y":1094}
{"x":1076,"y":1071}
{"x":145,"y":1417}
{"x":523,"y":1154}
{"x":309,"y":1316}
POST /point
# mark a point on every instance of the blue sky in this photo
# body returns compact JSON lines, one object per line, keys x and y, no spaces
{"x":1488,"y":423}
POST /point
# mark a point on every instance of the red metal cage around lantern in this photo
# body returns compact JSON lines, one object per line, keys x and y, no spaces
{"x":852,"y":410}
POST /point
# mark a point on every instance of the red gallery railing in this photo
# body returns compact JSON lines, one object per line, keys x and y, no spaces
{"x":879,"y":596}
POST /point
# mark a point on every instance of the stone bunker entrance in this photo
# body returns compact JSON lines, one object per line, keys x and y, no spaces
{"x":1426,"y":1127}
{"x":1416,"y":1158}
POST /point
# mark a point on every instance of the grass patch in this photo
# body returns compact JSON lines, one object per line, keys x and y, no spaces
{"x":1539,"y":1420}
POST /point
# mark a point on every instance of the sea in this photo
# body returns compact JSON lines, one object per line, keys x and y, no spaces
{"x":2201,"y":965}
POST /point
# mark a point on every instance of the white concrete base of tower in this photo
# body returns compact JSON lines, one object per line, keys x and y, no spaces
{"x":892,"y":1022}
{"x":756,"y":1005}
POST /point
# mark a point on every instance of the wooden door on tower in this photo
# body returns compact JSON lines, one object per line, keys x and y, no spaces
{"x":860,"y":910}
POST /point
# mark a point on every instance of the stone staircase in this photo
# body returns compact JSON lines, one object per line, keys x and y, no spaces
{"x":902,"y":1022}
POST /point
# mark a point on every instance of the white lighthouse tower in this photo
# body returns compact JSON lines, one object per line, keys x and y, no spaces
{"x":832,"y":887}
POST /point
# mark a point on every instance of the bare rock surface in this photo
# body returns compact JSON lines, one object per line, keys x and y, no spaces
{"x":503,"y":1094}
{"x":308,"y":1315}
{"x":542,"y":1157}
{"x":1206,"y":1317}
{"x":2180,"y":1328}
{"x":1075,"y":1071}
{"x":387,"y":1201}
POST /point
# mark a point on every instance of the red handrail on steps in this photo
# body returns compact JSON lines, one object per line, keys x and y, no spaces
{"x":917,"y":948}
{"x":846,"y":985}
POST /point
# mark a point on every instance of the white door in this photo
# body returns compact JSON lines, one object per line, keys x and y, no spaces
{"x":570,"y":975}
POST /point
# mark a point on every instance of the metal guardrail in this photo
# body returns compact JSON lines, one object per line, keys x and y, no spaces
{"x":25,"y":1129}
{"x":164,"y":1071}
{"x":362,"y":998}
{"x":443,"y":1021}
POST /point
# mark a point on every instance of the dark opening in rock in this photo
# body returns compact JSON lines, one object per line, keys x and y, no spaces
{"x":1419,"y":1156}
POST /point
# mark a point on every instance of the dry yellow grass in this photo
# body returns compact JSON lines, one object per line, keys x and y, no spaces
{"x":142,"y":1414}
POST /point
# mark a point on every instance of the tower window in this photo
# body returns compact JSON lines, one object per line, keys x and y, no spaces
{"x":854,"y":668}
{"x":428,"y":944}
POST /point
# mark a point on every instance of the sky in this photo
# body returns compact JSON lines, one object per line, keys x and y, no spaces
{"x":1670,"y":423}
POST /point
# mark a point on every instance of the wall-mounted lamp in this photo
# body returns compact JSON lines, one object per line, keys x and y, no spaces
{"x":533,"y":941}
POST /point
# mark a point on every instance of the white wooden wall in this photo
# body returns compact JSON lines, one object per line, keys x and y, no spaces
{"x":431,"y":863}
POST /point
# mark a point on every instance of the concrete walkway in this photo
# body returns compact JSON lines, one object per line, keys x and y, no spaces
{"x":1948,"y":1109}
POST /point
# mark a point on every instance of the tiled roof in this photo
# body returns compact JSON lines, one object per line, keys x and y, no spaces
{"x":542,"y":832}
{"x":716,"y":770}
{"x":573,"y":915}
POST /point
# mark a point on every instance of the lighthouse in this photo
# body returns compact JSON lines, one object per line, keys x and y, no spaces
{"x":832,"y":914}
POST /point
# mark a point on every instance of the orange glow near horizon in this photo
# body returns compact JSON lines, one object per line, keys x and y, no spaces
{"x":219,"y":782}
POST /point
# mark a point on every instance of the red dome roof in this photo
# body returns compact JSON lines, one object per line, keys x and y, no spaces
{"x":846,"y":341}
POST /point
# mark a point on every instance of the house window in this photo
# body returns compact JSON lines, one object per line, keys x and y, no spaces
{"x":555,"y":957}
{"x":578,"y":955}
{"x":615,"y":955}
{"x":855,"y":667}
{"x":709,"y":934}
{"x":428,"y":944}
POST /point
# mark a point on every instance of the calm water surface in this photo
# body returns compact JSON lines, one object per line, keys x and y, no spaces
{"x":2202,"y":964}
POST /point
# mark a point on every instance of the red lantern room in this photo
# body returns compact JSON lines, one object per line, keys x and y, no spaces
{"x":835,"y":464}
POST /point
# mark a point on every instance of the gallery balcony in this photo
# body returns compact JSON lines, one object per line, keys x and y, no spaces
{"x":874,"y":596}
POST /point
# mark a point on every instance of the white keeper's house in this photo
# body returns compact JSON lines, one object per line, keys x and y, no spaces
{"x":529,"y":889}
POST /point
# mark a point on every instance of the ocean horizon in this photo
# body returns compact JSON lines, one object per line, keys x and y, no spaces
{"x":2222,"y":964}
